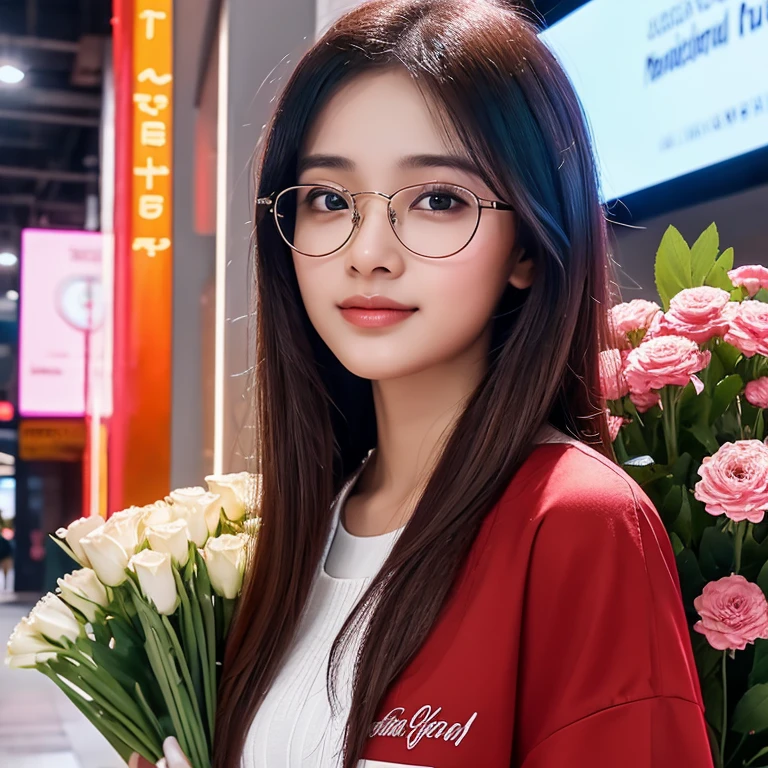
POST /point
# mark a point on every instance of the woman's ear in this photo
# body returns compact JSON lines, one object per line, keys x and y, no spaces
{"x":523,"y":271}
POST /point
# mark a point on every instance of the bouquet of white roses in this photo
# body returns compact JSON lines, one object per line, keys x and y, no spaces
{"x":135,"y":637}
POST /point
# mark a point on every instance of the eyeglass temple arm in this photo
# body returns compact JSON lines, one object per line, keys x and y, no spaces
{"x":495,"y":204}
{"x":262,"y":205}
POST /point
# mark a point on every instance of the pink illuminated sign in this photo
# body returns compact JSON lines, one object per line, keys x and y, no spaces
{"x":61,"y":324}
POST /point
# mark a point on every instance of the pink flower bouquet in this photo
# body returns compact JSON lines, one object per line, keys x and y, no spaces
{"x":686,"y":385}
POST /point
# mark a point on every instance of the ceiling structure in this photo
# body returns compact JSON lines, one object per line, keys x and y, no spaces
{"x":49,"y":123}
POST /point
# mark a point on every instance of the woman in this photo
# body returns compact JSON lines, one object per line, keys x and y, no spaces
{"x":489,"y":588}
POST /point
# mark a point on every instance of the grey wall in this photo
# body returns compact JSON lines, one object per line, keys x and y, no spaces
{"x":265,"y":39}
{"x":741,"y":219}
{"x":193,"y":259}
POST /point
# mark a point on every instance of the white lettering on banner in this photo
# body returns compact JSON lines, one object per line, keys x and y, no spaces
{"x":423,"y":725}
{"x":150,"y":17}
{"x":151,"y":207}
{"x":153,"y":133}
{"x":151,"y":104}
{"x":149,"y":171}
{"x":151,"y":76}
{"x":152,"y":245}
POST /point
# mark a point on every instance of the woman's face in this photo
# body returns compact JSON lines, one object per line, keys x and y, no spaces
{"x":372,"y":127}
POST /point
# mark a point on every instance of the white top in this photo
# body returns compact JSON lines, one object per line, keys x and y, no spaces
{"x":294,"y":727}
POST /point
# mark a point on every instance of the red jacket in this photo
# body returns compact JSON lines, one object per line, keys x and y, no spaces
{"x":564,"y":643}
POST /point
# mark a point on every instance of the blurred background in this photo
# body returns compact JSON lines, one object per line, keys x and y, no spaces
{"x":127,"y":128}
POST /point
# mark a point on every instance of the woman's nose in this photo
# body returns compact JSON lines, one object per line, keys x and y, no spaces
{"x":374,"y":244}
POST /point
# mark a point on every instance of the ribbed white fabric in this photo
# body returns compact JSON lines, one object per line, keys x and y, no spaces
{"x":294,"y":727}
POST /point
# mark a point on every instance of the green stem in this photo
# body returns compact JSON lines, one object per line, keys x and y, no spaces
{"x":202,"y":648}
{"x":737,"y":543}
{"x":738,"y":748}
{"x":197,"y":724}
{"x":100,"y":721}
{"x":228,"y":611}
{"x":132,"y":734}
{"x":669,"y":423}
{"x":724,"y":731}
{"x":166,"y":678}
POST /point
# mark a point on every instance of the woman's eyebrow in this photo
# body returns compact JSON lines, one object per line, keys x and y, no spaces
{"x":339,"y":163}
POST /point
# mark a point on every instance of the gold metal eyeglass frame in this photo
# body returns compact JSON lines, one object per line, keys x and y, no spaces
{"x":270,"y":203}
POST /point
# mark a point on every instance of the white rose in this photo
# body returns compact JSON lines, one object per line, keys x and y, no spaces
{"x":26,"y":647}
{"x":156,"y":579}
{"x":199,"y":509}
{"x":74,"y":532}
{"x":171,"y":538}
{"x":225,"y":557}
{"x":107,"y":557}
{"x":233,"y":490}
{"x":54,"y":619}
{"x":126,"y":528}
{"x":83,"y":590}
{"x":158,"y":513}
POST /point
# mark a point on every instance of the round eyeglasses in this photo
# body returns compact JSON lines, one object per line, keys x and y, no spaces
{"x":435,"y":220}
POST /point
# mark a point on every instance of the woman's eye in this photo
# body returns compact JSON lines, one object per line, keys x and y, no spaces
{"x":437,"y":202}
{"x":325,"y":200}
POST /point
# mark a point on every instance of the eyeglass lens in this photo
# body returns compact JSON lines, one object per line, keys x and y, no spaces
{"x":434,"y":220}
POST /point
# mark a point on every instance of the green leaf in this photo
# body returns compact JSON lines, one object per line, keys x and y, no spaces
{"x":751,"y":712}
{"x":700,"y":518}
{"x":681,"y":468}
{"x":704,"y":254}
{"x":725,"y":393}
{"x":670,"y":507}
{"x":762,"y":295}
{"x":759,"y":673}
{"x":763,"y":751}
{"x":673,"y":266}
{"x":677,"y":545}
{"x":728,"y":355}
{"x":713,"y":373}
{"x":703,"y":433}
{"x":715,"y":554}
{"x":692,"y":581}
{"x":760,"y":533}
{"x":762,"y":579}
{"x":712,"y":693}
{"x":683,"y":525}
{"x":717,"y":277}
{"x":708,"y":659}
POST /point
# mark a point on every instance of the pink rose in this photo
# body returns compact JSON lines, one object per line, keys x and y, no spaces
{"x":734,"y":481}
{"x":629,"y":317}
{"x":753,"y":277}
{"x":662,"y":361}
{"x":756,"y":392}
{"x":733,"y":612}
{"x":613,"y":384}
{"x":695,"y":313}
{"x":644,"y":401}
{"x":748,"y":327}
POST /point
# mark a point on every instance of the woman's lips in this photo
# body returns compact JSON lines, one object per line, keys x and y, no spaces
{"x":375,"y":318}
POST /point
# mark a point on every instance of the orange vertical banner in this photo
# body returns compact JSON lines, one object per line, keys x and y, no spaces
{"x":140,"y":445}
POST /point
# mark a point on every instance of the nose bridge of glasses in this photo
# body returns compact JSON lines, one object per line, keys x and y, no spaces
{"x":357,"y":215}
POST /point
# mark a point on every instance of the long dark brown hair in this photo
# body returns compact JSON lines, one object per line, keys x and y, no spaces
{"x":502,"y":95}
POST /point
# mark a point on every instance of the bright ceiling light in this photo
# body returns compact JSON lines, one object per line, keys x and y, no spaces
{"x":12,"y":295}
{"x":10,"y":74}
{"x":8,"y":259}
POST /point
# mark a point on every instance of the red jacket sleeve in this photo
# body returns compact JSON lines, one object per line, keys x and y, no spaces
{"x":607,"y":676}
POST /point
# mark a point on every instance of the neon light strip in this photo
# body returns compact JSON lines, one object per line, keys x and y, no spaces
{"x":222,"y":196}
